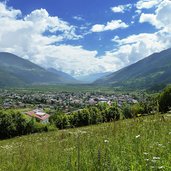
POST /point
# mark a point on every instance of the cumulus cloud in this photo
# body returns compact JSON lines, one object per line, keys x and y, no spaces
{"x":149,"y":18}
{"x":147,"y":4}
{"x":161,"y":19}
{"x":112,"y":25}
{"x":121,"y":8}
{"x":39,"y":37}
{"x":10,"y":12}
{"x":136,"y":47}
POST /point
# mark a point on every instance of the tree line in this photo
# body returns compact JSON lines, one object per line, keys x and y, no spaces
{"x":14,"y":123}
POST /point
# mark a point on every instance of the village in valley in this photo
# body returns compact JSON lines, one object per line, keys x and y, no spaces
{"x":34,"y":103}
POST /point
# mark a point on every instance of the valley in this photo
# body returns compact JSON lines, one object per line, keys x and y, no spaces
{"x":85,"y":85}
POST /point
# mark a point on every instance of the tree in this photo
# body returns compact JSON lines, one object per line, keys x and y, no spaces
{"x":165,"y":100}
{"x":126,"y":110}
{"x":136,"y":109}
{"x":112,"y":113}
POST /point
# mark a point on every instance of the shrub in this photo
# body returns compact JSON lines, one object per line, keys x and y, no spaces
{"x":136,"y":109}
{"x":165,"y":100}
{"x":14,"y":123}
{"x":126,"y":111}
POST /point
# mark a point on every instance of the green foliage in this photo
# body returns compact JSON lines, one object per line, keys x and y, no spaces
{"x":126,"y":110}
{"x":112,"y":113}
{"x":150,"y":104}
{"x":87,"y":116}
{"x":136,"y":109}
{"x":13,"y":123}
{"x":165,"y":100}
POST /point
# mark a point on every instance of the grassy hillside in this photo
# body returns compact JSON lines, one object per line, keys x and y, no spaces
{"x":137,"y":144}
{"x":150,"y":71}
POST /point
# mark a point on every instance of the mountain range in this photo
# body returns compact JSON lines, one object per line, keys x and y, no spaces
{"x":148,"y":72}
{"x":16,"y":71}
{"x":154,"y":70}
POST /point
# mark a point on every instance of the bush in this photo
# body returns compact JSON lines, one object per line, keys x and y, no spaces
{"x":14,"y":123}
{"x":165,"y":100}
{"x":136,"y":109}
{"x":87,"y":116}
{"x":126,"y":111}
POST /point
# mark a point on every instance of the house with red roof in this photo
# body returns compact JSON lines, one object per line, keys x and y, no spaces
{"x":40,"y":116}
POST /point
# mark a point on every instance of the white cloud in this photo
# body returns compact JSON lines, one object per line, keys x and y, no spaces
{"x":121,"y":8}
{"x":161,"y":19}
{"x":136,"y":47}
{"x":27,"y":37}
{"x":163,"y":14}
{"x":143,"y":44}
{"x":147,"y":4}
{"x":78,"y":18}
{"x":8,"y":12}
{"x":98,"y":28}
{"x":112,"y":25}
{"x":150,"y":18}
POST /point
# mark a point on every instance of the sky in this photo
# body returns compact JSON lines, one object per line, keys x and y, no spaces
{"x":83,"y":37}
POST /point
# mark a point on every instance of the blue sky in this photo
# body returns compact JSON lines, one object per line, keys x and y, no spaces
{"x":85,"y":37}
{"x":87,"y":12}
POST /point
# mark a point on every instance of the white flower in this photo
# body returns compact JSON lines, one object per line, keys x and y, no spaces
{"x":137,"y":136}
{"x":106,"y":141}
{"x":156,"y":158}
{"x":83,"y":132}
{"x":154,"y":161}
{"x":161,"y":167}
{"x":145,"y":153}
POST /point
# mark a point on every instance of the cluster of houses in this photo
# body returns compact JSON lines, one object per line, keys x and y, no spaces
{"x":65,"y":101}
{"x":120,"y":99}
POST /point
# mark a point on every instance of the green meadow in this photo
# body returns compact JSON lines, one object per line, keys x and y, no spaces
{"x":139,"y":144}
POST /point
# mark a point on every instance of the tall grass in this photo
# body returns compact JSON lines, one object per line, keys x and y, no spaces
{"x":137,"y":144}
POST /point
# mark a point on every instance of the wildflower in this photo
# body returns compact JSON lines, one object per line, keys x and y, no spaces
{"x":156,"y":158}
{"x":161,"y":145}
{"x":106,"y":141}
{"x":154,"y":161}
{"x":145,"y":153}
{"x":137,"y":136}
{"x":146,"y":159}
{"x":169,"y":133}
{"x":161,"y":167}
{"x":69,"y":149}
{"x":83,"y":132}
